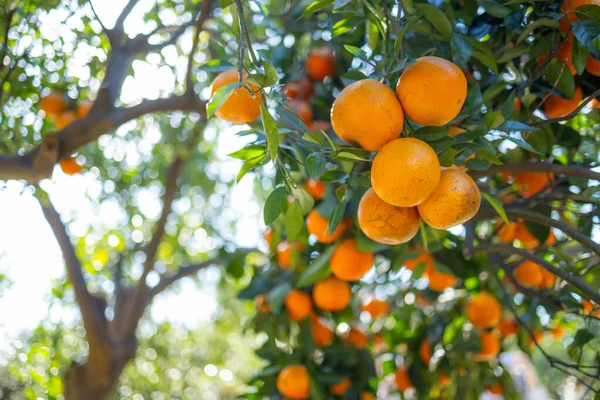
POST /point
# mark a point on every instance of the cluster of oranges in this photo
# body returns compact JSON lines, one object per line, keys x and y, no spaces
{"x":63,"y":113}
{"x":408,"y":181}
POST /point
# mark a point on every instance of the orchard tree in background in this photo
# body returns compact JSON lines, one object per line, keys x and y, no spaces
{"x":433,"y":198}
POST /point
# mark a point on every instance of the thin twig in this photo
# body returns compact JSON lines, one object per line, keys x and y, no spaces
{"x":182,"y":272}
{"x":570,"y":115}
{"x":539,"y":166}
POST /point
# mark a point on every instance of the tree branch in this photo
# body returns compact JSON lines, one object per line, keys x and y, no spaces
{"x":206,"y":5}
{"x":570,"y":115}
{"x":182,"y":272}
{"x":538,"y":166}
{"x":124,"y":14}
{"x":565,"y":276}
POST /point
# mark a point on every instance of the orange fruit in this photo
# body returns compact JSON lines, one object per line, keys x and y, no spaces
{"x":593,"y":66}
{"x":425,"y":352}
{"x":348,"y":263}
{"x":405,"y":172}
{"x":332,"y":294}
{"x":483,"y":310}
{"x":303,"y":110}
{"x":517,"y":104}
{"x":298,"y":305}
{"x":385,"y":223}
{"x":320,"y":63}
{"x":293,"y":382}
{"x":557,"y":332}
{"x":367,"y":396}
{"x":70,"y":166}
{"x":507,"y":232}
{"x":356,"y":338}
{"x":64,"y":119}
{"x":528,"y":274}
{"x":444,"y":379}
{"x":240,"y":107}
{"x":531,"y":183}
{"x":508,"y":327}
{"x":565,"y":53}
{"x":455,"y":131}
{"x":422,"y":257}
{"x":548,"y":279}
{"x":375,"y":308}
{"x":340,"y":388}
{"x":368,"y":114}
{"x":454,"y":201}
{"x":317,"y":225}
{"x":315,"y":188}
{"x":588,"y":306}
{"x":84,"y":107}
{"x":269,"y":235}
{"x":261,"y":304}
{"x":556,"y":106}
{"x":490,"y":345}
{"x":523,"y":235}
{"x":568,"y":6}
{"x":300,"y":89}
{"x":432,"y":91}
{"x":284,"y":253}
{"x":537,"y":337}
{"x":439,"y":281}
{"x":495,"y":388}
{"x":322,"y":335}
{"x":402,"y":379}
{"x":54,"y":104}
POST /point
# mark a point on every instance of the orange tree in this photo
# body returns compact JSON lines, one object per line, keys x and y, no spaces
{"x":433,"y":168}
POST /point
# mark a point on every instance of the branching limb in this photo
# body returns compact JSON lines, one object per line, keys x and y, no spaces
{"x":539,"y":166}
{"x":570,"y":115}
{"x":206,"y":5}
{"x":123,"y":16}
{"x":182,"y":272}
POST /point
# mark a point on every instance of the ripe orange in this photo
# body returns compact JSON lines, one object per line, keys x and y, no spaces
{"x":284,"y":253}
{"x":320,"y":63}
{"x":556,"y":106}
{"x":432,"y":91}
{"x":402,"y":379}
{"x":261,"y":303}
{"x":483,"y":310}
{"x":507,"y":232}
{"x":422,"y":257}
{"x":300,"y":89}
{"x":315,"y":188}
{"x":64,"y":119}
{"x":444,"y":379}
{"x":455,"y":131}
{"x":593,"y":66}
{"x":565,"y":53}
{"x":454,"y":201}
{"x":557,"y":332}
{"x":356,"y":338}
{"x":490,"y":346}
{"x":439,"y":281}
{"x":54,"y":104}
{"x":531,"y":183}
{"x":425,"y":352}
{"x":298,"y":305}
{"x":332,"y":294}
{"x":70,"y":166}
{"x":568,"y":6}
{"x":367,"y":396}
{"x":317,"y":225}
{"x":385,"y":223}
{"x":322,"y":335}
{"x":241,"y":107}
{"x":537,"y":337}
{"x":375,"y":308}
{"x":269,"y":235}
{"x":523,"y":235}
{"x":548,"y":279}
{"x":405,"y":172}
{"x":293,"y":382}
{"x":368,"y":114}
{"x":348,"y":263}
{"x":340,"y":388}
{"x":508,"y":327}
{"x":517,"y":104}
{"x":84,"y":107}
{"x":495,"y":388}
{"x":303,"y":110}
{"x":528,"y":274}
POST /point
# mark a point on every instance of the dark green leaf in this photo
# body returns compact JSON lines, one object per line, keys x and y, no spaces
{"x":358,"y":53}
{"x":477,"y":165}
{"x":249,"y":165}
{"x":271,"y":76}
{"x":510,"y":126}
{"x":336,"y":216}
{"x":431,"y":133}
{"x":588,"y":11}
{"x":580,"y":56}
{"x":340,"y":3}
{"x":318,"y":269}
{"x":447,"y":157}
{"x":494,"y":119}
{"x":523,"y":144}
{"x":462,"y":50}
{"x":508,"y":107}
{"x":586,"y":32}
{"x":274,"y":204}
{"x":315,"y":163}
{"x":314,"y":137}
{"x":474,"y":100}
{"x":293,"y":220}
{"x":559,"y":76}
{"x":270,"y":127}
{"x":277,"y":295}
{"x":352,"y":76}
{"x":442,"y":144}
{"x":494,"y":9}
{"x":221,"y":96}
{"x":437,"y":18}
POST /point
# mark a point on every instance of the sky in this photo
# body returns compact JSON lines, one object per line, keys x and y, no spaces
{"x":29,"y":253}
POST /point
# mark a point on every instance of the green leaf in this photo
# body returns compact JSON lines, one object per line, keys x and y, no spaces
{"x":494,"y":9}
{"x":355,"y":51}
{"x":474,"y":100}
{"x":419,"y":269}
{"x":483,"y":54}
{"x":582,"y":337}
{"x":462,"y":50}
{"x":372,"y":33}
{"x":497,"y":206}
{"x":274,"y":204}
{"x":510,"y":126}
{"x":477,"y":165}
{"x":580,"y":56}
{"x":294,"y":220}
{"x":494,"y":119}
{"x":314,"y":7}
{"x":352,"y":155}
{"x":447,"y":157}
{"x":487,"y":155}
{"x":315,"y":164}
{"x":248,"y":152}
{"x":522,"y":144}
{"x":352,"y":76}
{"x":336,"y":216}
{"x":512,"y":53}
{"x":586,"y":32}
{"x":318,"y":269}
{"x":588,"y":11}
{"x":442,"y":144}
{"x":271,"y":132}
{"x":560,"y":78}
{"x":437,"y":18}
{"x":277,"y":295}
{"x":271,"y":76}
{"x":340,"y":3}
{"x":549,"y":22}
{"x":431,"y":133}
{"x":508,"y":107}
{"x":249,"y":165}
{"x":315,"y":137}
{"x":221,"y":96}
{"x":453,"y":329}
